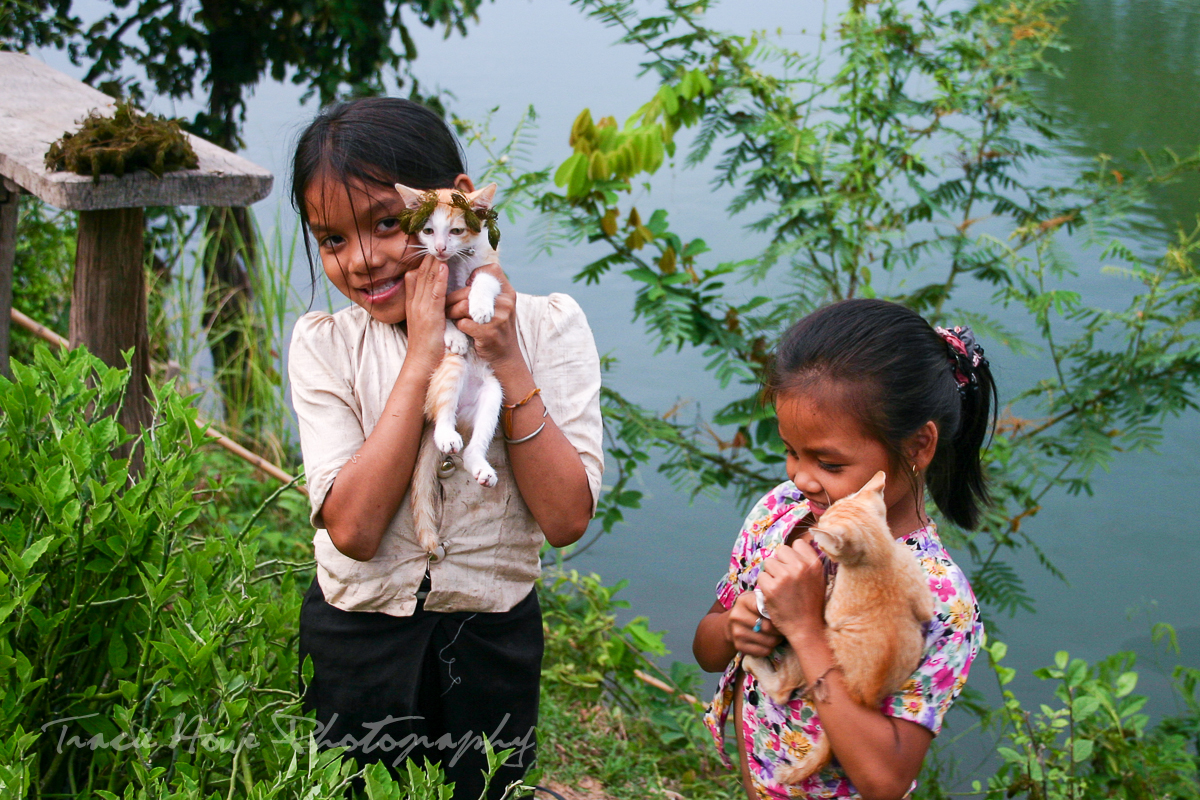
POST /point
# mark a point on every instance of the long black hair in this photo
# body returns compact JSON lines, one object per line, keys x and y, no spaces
{"x":374,"y":141}
{"x":902,"y":373}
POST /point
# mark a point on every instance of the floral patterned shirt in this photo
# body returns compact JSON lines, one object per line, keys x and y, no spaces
{"x":772,"y":732}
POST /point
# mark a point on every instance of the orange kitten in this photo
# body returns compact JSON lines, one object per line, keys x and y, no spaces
{"x":874,"y":616}
{"x":450,"y":225}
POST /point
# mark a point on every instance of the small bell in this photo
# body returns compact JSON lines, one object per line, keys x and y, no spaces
{"x":437,"y":555}
{"x":446,"y":468}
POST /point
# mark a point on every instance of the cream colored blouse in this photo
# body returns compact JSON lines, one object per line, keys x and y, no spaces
{"x":342,"y":368}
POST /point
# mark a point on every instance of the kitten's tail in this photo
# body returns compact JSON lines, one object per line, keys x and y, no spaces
{"x":426,"y":492}
{"x":812,"y":761}
{"x":778,"y":681}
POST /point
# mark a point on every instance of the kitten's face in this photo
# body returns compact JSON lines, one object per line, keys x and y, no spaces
{"x":853,"y":524}
{"x":445,"y":233}
{"x":830,"y":456}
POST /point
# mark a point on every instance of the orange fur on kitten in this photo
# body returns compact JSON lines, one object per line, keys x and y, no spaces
{"x":874,"y":616}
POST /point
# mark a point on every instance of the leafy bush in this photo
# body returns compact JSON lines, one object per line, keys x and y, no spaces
{"x":142,"y":651}
{"x":42,"y":270}
{"x":1097,"y":743}
{"x":599,"y":716}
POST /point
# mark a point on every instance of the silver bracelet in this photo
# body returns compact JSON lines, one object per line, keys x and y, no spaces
{"x":545,"y":411}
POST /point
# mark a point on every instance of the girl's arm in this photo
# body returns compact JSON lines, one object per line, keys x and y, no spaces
{"x":726,"y":631}
{"x":368,"y":490}
{"x":881,"y":755}
{"x":547,"y":468}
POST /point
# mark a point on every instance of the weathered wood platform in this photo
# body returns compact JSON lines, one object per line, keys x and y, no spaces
{"x":38,"y":104}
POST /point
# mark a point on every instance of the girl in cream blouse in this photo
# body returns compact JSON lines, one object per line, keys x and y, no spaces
{"x":432,"y":652}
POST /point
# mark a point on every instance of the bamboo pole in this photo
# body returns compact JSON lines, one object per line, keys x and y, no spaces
{"x":666,"y":687}
{"x":44,"y":333}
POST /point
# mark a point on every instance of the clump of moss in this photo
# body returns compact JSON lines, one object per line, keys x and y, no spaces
{"x":128,"y":140}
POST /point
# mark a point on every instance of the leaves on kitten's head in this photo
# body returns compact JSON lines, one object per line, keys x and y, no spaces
{"x":476,"y":218}
{"x":412,"y":220}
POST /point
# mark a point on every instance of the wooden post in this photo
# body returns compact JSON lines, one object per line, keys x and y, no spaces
{"x":108,"y":304}
{"x":9,"y":200}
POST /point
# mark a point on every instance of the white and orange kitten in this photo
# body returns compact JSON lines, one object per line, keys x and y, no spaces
{"x":463,"y":388}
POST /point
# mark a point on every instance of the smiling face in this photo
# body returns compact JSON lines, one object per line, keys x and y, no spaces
{"x":363,"y":250}
{"x":831,"y":456}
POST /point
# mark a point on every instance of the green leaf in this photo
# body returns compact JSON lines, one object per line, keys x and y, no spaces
{"x":562,"y":175}
{"x":1126,"y":683}
{"x":117,"y":652}
{"x":30,"y":557}
{"x":1084,"y":706}
{"x":1081,"y":749}
{"x":1076,"y":672}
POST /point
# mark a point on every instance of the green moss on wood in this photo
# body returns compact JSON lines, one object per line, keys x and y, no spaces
{"x":125,"y":142}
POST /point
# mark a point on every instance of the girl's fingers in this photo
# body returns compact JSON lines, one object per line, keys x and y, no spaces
{"x":743,"y":617}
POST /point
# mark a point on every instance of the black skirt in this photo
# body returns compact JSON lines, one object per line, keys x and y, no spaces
{"x":431,"y":685}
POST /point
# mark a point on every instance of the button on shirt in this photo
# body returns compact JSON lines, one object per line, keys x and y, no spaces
{"x":342,"y":368}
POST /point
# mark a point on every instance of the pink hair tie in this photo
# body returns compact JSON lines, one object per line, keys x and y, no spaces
{"x":966,"y":355}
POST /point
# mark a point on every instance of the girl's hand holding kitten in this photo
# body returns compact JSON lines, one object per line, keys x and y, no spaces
{"x":793,"y":586}
{"x":425,"y":312}
{"x":495,"y":341}
{"x":739,"y":628}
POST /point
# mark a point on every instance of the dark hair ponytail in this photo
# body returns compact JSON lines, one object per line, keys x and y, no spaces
{"x":904,"y":374}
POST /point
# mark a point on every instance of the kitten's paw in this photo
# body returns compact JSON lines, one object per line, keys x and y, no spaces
{"x":447,"y":441}
{"x":486,"y":476}
{"x":483,"y":312}
{"x":457,"y":341}
{"x":480,"y":470}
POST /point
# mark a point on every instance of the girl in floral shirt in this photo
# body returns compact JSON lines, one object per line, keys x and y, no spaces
{"x":859,"y":386}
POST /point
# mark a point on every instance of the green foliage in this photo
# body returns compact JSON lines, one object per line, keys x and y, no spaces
{"x":896,"y":163}
{"x":143,"y":650}
{"x":42,"y":270}
{"x":331,"y":48}
{"x":126,"y":141}
{"x":1096,"y":743}
{"x":600,"y":719}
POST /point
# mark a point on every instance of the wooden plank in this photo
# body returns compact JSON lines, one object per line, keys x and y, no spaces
{"x":38,"y":104}
{"x":9,"y":202}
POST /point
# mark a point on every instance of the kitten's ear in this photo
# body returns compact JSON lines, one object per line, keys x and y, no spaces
{"x":411,"y":197}
{"x":830,"y":541}
{"x":876,"y":483}
{"x":483,"y":198}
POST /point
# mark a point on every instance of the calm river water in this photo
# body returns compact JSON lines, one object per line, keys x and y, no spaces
{"x":1131,"y":80}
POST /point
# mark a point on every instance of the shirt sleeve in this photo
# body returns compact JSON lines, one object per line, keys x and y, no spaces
{"x":329,"y":415}
{"x":744,"y":552}
{"x":567,"y":368}
{"x":951,"y":643}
